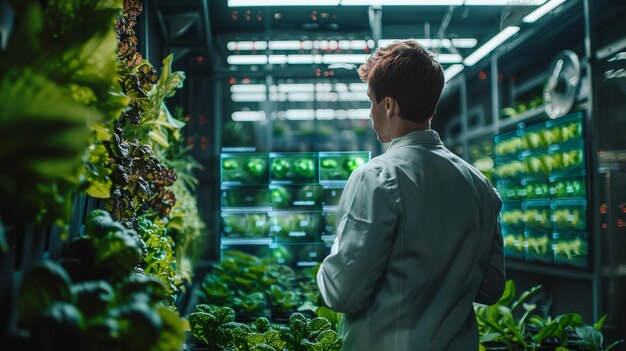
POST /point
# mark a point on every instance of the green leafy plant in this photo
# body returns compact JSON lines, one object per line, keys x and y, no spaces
{"x":217,"y":328}
{"x":130,"y":313}
{"x":499,"y":327}
{"x":59,"y":83}
{"x":159,"y":260}
{"x":107,"y":251}
{"x":256,"y":287}
{"x":591,"y":337}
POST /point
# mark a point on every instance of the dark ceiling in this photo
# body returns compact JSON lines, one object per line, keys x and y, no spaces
{"x":198,"y":31}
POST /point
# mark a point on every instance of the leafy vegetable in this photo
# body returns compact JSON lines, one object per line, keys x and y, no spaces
{"x":352,"y":163}
{"x":304,"y":168}
{"x":280,"y":168}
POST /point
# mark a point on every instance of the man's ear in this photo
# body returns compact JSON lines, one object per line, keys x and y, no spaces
{"x":392,"y":106}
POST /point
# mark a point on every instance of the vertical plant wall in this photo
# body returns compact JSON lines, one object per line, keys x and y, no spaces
{"x":84,"y":113}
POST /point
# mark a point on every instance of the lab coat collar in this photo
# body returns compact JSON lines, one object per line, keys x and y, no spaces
{"x":428,"y":136}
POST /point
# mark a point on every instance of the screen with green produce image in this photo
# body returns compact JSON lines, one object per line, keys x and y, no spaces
{"x":244,"y":168}
{"x":248,"y":197}
{"x":245,"y":225}
{"x":293,"y":168}
{"x":337,"y":166}
{"x":299,"y":197}
{"x":295,"y":227}
{"x":541,"y":175}
{"x":299,"y":255}
{"x":283,"y":203}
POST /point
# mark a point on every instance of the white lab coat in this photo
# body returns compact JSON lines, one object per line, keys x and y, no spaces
{"x":418,"y":241}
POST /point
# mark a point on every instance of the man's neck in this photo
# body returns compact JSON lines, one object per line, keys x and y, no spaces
{"x":403,"y":127}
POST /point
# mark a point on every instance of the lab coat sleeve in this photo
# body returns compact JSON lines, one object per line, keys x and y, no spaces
{"x":366,"y":222}
{"x":492,"y":285}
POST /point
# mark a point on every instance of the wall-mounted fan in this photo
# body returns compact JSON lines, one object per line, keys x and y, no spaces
{"x":560,"y":92}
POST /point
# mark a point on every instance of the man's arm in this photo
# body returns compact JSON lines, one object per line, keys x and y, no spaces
{"x":492,"y":285}
{"x":366,"y":222}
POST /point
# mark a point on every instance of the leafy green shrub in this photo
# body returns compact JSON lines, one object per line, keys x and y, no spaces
{"x":217,"y":328}
{"x":498,"y":326}
{"x":131,"y":314}
{"x":250,"y":285}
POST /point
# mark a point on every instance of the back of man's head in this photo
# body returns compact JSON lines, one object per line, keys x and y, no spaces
{"x":408,"y":73}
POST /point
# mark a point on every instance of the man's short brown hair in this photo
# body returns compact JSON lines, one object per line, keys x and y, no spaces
{"x":408,"y":73}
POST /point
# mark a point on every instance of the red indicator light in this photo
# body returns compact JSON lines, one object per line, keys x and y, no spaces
{"x":603,"y":208}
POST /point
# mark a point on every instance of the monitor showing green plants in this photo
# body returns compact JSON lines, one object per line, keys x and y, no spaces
{"x":337,"y":166}
{"x":244,"y":168}
{"x":293,"y":168}
{"x":541,"y":175}
{"x":283,"y":203}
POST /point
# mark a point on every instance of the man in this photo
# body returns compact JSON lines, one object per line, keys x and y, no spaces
{"x":418,"y":238}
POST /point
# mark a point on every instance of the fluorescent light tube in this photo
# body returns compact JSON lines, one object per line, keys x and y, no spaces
{"x":248,"y":97}
{"x":440,"y":2}
{"x":246,"y":45}
{"x":353,"y":96}
{"x":339,"y":87}
{"x":300,"y":115}
{"x":285,"y":45}
{"x":341,"y":58}
{"x":436,"y":43}
{"x":540,"y":12}
{"x":344,"y":44}
{"x":277,"y":59}
{"x":449,"y":58}
{"x":362,"y":113}
{"x":292,"y":88}
{"x":361,"y":87}
{"x":402,"y":2}
{"x":238,"y":3}
{"x":463,"y":43}
{"x":247,"y":88}
{"x":326,"y":96}
{"x":248,"y":116}
{"x":300,"y":97}
{"x":493,"y":43}
{"x":358,"y":44}
{"x":503,"y":2}
{"x":452,"y":71}
{"x":300,"y":59}
{"x":324,"y":114}
{"x":247,"y":59}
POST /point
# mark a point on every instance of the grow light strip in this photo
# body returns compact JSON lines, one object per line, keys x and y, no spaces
{"x":540,"y":12}
{"x":489,"y":46}
{"x":452,"y":71}
{"x":436,"y":43}
{"x":248,"y":116}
